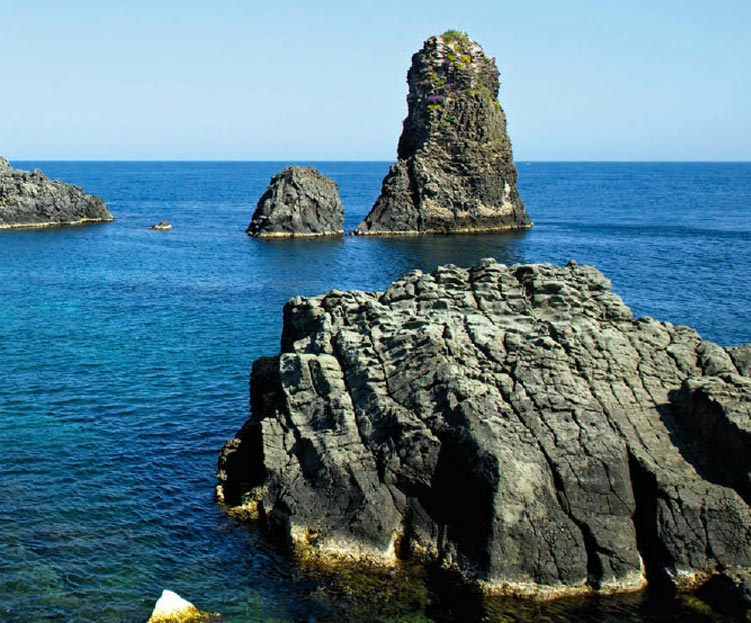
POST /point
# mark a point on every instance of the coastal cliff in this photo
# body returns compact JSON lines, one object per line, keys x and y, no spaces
{"x":299,"y":202}
{"x":455,"y":171}
{"x":33,"y":200}
{"x":514,"y":424}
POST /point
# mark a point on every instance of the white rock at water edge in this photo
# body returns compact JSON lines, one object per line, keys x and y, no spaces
{"x":171,"y":604}
{"x":171,"y":608}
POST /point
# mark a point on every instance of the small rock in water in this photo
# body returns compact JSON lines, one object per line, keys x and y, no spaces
{"x":162,"y":226}
{"x":171,"y":608}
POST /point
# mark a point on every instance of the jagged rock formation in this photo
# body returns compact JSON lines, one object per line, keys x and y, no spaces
{"x":515,"y":423}
{"x":455,"y":171}
{"x":299,"y":201}
{"x":34,"y":200}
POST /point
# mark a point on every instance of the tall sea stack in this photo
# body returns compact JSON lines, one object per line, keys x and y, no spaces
{"x":455,"y":172}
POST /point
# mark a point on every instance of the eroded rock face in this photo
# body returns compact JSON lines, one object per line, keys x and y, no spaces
{"x":455,"y":172}
{"x":515,"y":423}
{"x":34,"y":200}
{"x":299,"y":201}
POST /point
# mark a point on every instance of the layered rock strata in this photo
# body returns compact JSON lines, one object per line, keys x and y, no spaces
{"x":299,"y":202}
{"x":455,"y":171}
{"x":516,"y":424}
{"x":34,"y":200}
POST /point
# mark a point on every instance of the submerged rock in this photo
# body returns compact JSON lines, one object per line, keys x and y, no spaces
{"x":171,"y":608}
{"x":34,"y":200}
{"x":299,"y":202}
{"x":455,"y":171}
{"x":516,"y":424}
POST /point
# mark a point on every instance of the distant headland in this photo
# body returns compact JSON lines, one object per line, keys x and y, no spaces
{"x":31,"y":199}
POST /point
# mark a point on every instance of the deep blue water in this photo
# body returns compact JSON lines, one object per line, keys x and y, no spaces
{"x":125,"y":354}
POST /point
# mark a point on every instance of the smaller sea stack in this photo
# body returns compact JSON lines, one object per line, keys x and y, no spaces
{"x":299,"y":202}
{"x":34,"y":200}
{"x":455,"y":172}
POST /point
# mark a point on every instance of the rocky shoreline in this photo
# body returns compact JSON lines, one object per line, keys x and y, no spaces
{"x":31,"y":199}
{"x":513,"y":424}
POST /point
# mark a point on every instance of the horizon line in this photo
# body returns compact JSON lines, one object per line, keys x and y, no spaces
{"x":218,"y":160}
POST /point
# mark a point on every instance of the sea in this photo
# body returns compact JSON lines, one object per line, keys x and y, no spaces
{"x":125,"y":355}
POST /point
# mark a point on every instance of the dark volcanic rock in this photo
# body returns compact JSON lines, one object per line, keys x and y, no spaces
{"x":33,"y":200}
{"x":514,"y":423}
{"x":455,"y":172}
{"x":299,"y":201}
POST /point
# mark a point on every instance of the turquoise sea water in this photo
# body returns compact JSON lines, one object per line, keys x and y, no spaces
{"x":125,"y":355}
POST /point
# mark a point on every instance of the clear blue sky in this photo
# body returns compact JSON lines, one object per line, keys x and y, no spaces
{"x":325,"y":80}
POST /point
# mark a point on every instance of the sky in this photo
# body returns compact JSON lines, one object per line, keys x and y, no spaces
{"x":326,"y":80}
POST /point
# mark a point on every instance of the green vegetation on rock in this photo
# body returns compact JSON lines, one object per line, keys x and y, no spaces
{"x":455,"y":36}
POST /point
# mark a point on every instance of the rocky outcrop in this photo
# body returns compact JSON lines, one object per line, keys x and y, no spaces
{"x":455,"y":172}
{"x":33,"y":200}
{"x":299,"y":202}
{"x":516,"y":424}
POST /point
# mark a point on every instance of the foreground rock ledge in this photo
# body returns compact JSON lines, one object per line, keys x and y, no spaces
{"x":516,"y":424}
{"x":34,"y":200}
{"x":455,"y":171}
